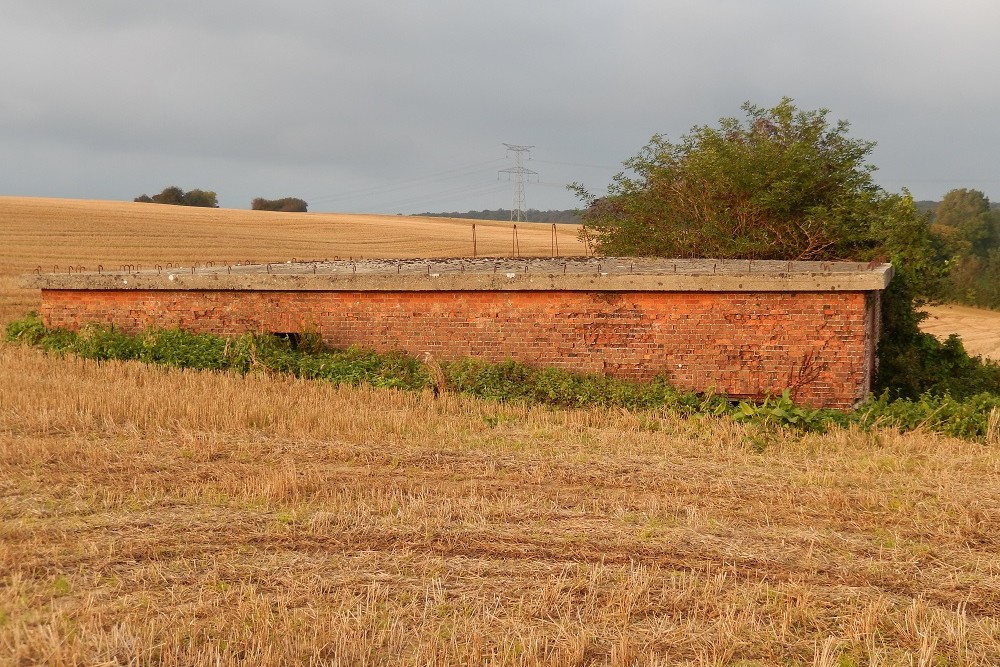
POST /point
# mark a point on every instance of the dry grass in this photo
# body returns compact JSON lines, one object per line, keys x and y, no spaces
{"x":153,"y":516}
{"x":55,"y":234}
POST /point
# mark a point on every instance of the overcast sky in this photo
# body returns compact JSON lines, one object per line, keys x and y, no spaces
{"x":404,"y":106}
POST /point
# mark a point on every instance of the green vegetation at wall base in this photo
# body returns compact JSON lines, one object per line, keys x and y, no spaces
{"x":974,"y":417}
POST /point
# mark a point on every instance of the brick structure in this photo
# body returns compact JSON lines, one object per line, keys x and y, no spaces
{"x":743,"y":328}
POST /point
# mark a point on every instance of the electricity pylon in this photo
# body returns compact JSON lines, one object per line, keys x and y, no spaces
{"x":517,"y":174}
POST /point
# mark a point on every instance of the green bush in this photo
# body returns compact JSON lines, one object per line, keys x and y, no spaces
{"x":782,"y":411}
{"x":285,"y":204}
{"x":919,"y":364}
{"x":31,"y":331}
{"x":506,"y":381}
{"x":514,"y":381}
{"x":963,"y":418}
{"x":177,"y":197}
{"x":965,"y":415}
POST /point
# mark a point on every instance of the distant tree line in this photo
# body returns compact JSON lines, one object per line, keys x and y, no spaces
{"x":531,"y":215}
{"x":285,"y":204}
{"x":965,"y":231}
{"x":174,"y":195}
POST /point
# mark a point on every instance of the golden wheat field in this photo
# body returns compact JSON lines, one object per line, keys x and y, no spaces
{"x":162,"y":517}
{"x":52,"y":235}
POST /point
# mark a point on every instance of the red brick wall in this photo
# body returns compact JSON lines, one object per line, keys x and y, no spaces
{"x":741,"y":343}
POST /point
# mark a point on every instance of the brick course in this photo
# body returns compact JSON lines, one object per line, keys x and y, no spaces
{"x":822,"y":344}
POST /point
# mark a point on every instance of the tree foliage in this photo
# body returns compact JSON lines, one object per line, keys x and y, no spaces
{"x":285,"y":204}
{"x":964,"y":217}
{"x":966,"y":235}
{"x":783,"y":183}
{"x":779,"y":184}
{"x":177,"y":197}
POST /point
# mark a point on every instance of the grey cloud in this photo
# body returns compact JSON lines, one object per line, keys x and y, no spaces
{"x":366,"y":97}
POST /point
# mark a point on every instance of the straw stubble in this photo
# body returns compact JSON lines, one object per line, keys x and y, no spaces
{"x":171,"y":517}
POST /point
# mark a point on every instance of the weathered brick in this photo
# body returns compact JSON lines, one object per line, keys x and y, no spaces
{"x":745,"y":344}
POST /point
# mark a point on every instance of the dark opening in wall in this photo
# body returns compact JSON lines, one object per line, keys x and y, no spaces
{"x":293,"y":337}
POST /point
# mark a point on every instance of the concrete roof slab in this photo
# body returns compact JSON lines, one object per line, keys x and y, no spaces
{"x":613,"y":274}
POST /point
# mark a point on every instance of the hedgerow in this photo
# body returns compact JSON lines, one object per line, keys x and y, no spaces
{"x":974,"y":417}
{"x":242,"y":354}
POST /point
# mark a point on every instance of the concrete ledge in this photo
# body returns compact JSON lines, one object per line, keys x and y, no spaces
{"x":610,"y":274}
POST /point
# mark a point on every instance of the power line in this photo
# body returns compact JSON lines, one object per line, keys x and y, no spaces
{"x":427,"y":198}
{"x":446,"y":175}
{"x":440,"y":185}
{"x":577,"y":164}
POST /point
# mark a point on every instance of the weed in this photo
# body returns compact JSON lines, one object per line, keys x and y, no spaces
{"x":973,"y":417}
{"x":782,"y":411}
{"x":61,"y":586}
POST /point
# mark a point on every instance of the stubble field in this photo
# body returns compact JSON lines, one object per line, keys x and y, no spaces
{"x":152,"y":516}
{"x":53,"y":235}
{"x":978,"y":328}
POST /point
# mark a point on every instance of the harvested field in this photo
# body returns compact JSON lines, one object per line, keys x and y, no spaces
{"x":179,"y":518}
{"x":979,"y":329}
{"x":54,"y":234}
{"x":154,"y":516}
